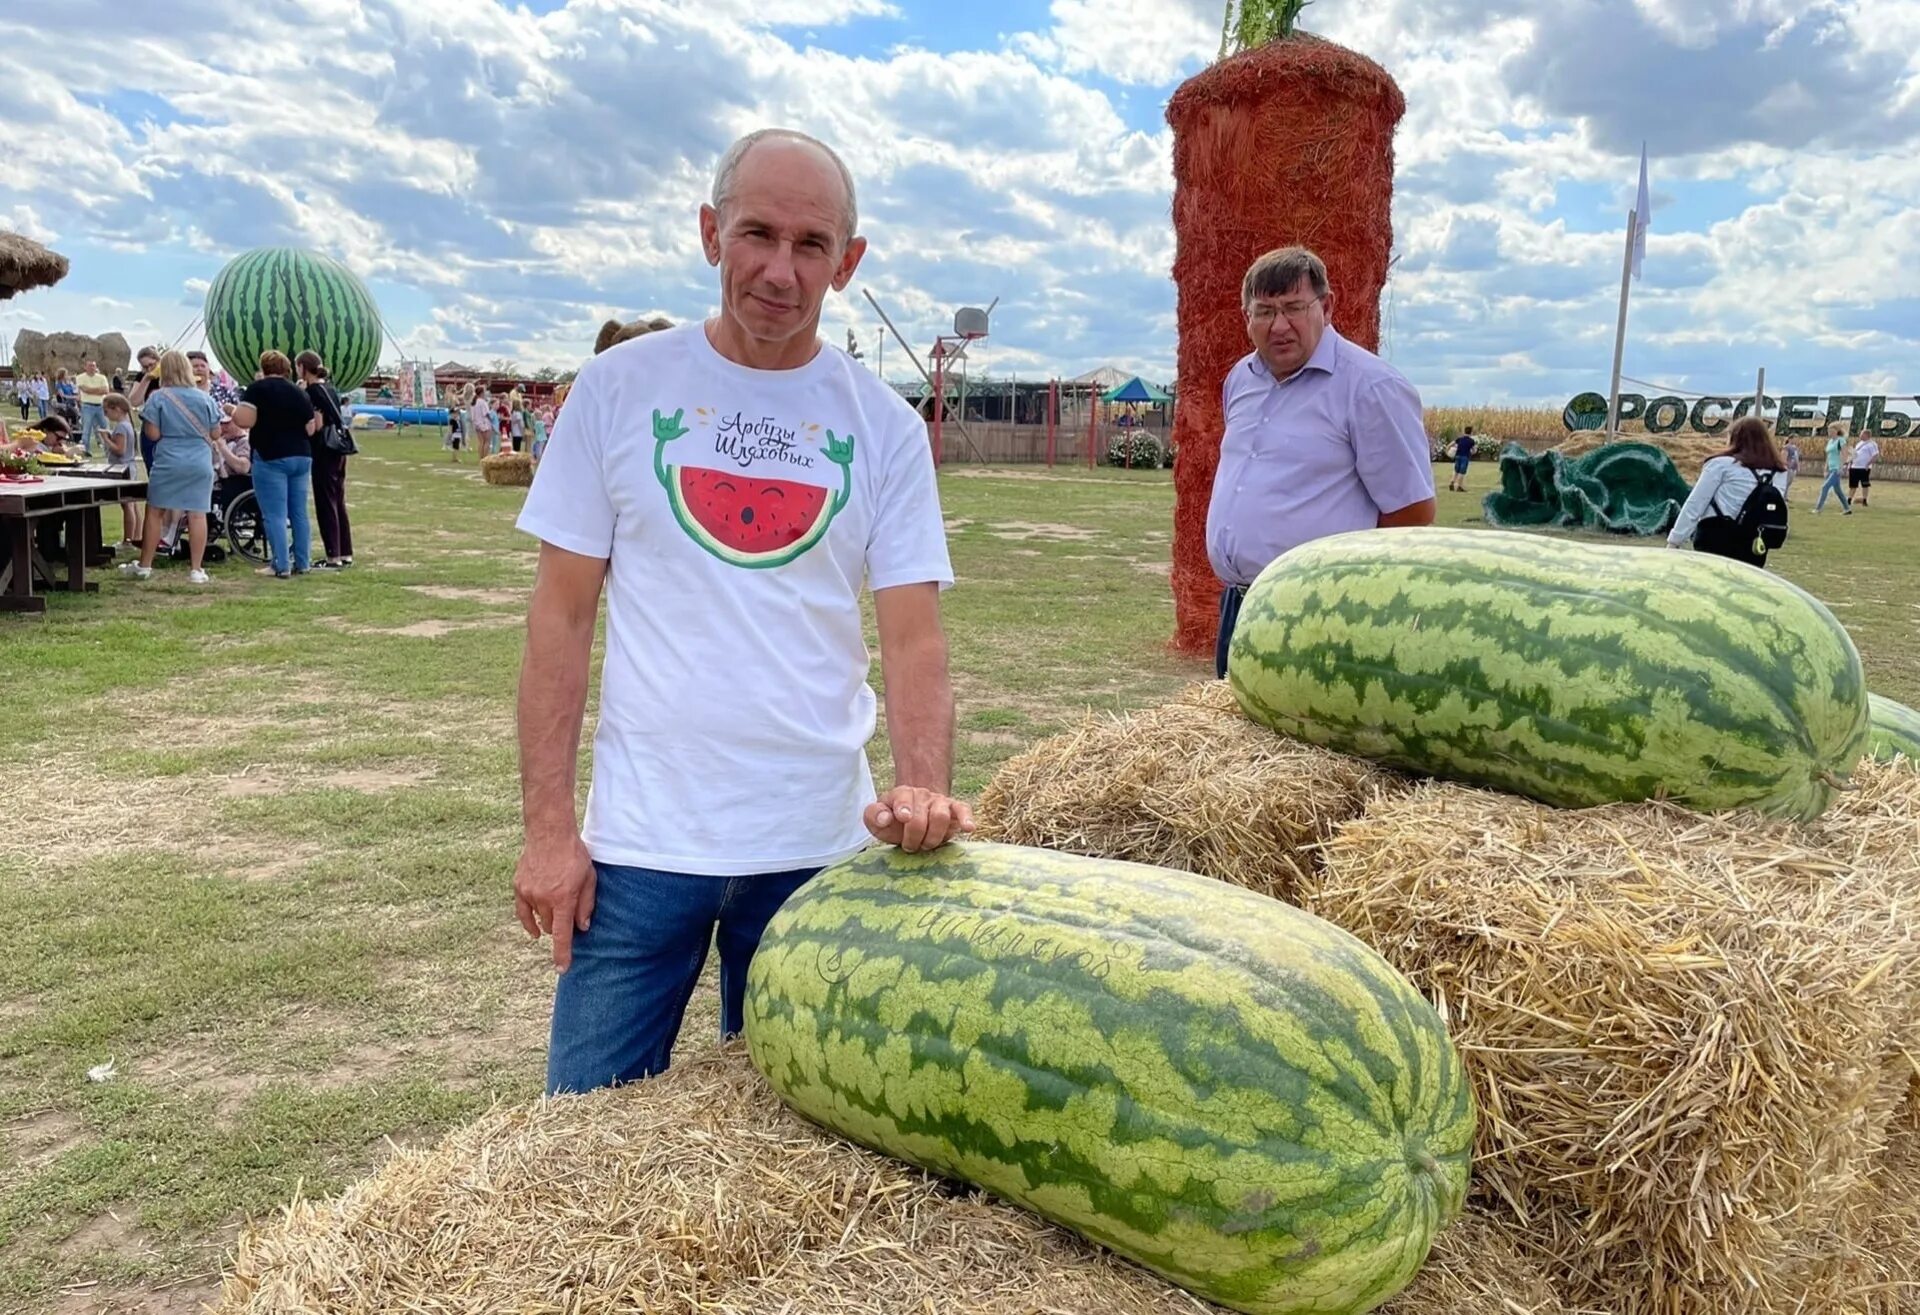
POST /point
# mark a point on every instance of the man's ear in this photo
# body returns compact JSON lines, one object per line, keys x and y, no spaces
{"x":849,"y":262}
{"x":710,"y":234}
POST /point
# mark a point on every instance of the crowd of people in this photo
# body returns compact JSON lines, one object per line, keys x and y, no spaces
{"x":489,"y":422}
{"x":201,"y":440}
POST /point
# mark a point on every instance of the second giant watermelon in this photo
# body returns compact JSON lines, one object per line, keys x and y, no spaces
{"x":1576,"y":673}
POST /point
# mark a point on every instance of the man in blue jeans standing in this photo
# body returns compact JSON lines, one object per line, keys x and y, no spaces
{"x":731,"y":486}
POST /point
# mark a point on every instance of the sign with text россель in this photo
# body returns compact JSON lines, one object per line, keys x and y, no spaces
{"x":1792,"y":415}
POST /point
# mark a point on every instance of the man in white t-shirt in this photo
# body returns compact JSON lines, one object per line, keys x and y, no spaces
{"x":733,"y":485}
{"x":1860,"y":469}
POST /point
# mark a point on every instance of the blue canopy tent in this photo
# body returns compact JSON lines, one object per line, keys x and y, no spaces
{"x":1136,"y":390}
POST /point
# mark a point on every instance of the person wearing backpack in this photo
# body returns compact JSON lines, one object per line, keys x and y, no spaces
{"x":1739,"y":507}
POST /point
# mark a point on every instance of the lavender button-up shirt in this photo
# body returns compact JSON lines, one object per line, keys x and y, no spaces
{"x":1324,"y":451}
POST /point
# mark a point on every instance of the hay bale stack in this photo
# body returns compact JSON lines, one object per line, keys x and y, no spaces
{"x":1191,"y":785}
{"x":513,"y":469}
{"x":1681,"y":1028}
{"x":698,"y":1191}
{"x":1893,"y":1231}
{"x":694,"y":1192}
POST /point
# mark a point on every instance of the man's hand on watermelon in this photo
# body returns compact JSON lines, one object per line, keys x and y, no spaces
{"x":917,"y":819}
{"x":919,"y":812}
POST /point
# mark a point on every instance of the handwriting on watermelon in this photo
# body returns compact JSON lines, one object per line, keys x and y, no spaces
{"x":1002,"y":938}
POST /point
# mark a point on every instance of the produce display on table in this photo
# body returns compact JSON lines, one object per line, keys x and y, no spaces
{"x":1894,"y":729}
{"x":1241,"y":1097}
{"x":1574,"y":673}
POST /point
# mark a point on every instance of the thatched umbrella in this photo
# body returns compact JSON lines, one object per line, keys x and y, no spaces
{"x":25,"y":265}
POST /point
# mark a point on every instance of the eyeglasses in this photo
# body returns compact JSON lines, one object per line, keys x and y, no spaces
{"x":1262,"y":313}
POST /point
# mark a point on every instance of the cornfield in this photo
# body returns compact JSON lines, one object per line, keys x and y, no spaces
{"x":1496,"y":422}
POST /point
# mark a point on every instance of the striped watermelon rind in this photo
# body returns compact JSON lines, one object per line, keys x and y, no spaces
{"x":290,"y":300}
{"x":1576,"y":673}
{"x":1895,"y":730}
{"x":1230,"y":1091}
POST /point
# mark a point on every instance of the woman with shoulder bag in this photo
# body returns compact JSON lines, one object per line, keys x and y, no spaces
{"x":181,"y":420}
{"x":332,"y":445}
{"x":1739,"y":507}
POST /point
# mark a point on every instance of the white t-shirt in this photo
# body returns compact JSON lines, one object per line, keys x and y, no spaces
{"x":481,"y":414}
{"x":1863,"y":454}
{"x":740,"y":511}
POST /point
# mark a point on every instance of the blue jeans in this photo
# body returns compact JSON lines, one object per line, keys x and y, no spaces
{"x":281,"y":487}
{"x":91,"y":418}
{"x":1833,"y":486}
{"x":617,"y":1008}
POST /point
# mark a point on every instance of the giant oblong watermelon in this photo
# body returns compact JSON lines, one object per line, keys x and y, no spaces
{"x":1230,"y":1091}
{"x":1576,"y":673}
{"x":288,"y":300}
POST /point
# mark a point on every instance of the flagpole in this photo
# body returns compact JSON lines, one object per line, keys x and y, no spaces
{"x":1620,"y":330}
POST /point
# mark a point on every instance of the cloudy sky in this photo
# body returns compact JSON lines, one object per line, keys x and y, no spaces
{"x":507,"y":176}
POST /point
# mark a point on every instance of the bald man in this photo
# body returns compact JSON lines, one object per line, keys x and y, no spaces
{"x":731,"y":486}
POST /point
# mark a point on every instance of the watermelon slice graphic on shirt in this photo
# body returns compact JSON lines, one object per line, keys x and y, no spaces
{"x":755,"y":523}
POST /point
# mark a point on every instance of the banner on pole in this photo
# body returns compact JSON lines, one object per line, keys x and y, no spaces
{"x":1642,"y":216}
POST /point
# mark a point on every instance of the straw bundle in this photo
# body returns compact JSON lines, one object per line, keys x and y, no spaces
{"x":1192,"y":785}
{"x":1682,"y":1029}
{"x":698,"y":1192}
{"x":513,"y":469}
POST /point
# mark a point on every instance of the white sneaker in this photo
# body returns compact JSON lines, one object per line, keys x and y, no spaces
{"x":136,"y":570}
{"x":196,"y":577}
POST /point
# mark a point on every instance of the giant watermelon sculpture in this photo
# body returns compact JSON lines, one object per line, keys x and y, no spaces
{"x":1228,"y":1090}
{"x":288,"y":300}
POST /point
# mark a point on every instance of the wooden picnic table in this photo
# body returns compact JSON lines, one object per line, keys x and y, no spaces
{"x":77,"y":500}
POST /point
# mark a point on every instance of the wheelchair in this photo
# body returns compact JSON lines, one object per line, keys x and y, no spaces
{"x":234,"y":517}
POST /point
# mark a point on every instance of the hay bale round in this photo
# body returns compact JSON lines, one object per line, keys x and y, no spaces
{"x":1684,"y":1031}
{"x":1191,"y":785}
{"x":512,"y":469}
{"x":698,"y":1191}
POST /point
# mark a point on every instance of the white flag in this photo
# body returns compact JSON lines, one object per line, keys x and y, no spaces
{"x":1642,"y":215}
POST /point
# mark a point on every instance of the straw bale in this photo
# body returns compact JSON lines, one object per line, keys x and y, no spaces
{"x":698,"y":1192}
{"x":1682,"y":1029}
{"x":1192,"y":785}
{"x":1893,"y":1233}
{"x":512,"y":469}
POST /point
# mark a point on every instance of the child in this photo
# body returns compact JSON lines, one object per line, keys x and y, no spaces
{"x":453,"y":433}
{"x":120,"y":445}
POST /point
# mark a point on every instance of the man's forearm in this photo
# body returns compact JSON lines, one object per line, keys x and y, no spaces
{"x":920,"y":717}
{"x":553,"y":704}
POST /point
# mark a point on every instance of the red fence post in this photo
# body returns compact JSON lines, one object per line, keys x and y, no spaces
{"x":1093,"y":415}
{"x":939,"y":399}
{"x":1053,"y":415}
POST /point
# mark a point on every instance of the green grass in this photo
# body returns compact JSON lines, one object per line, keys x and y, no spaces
{"x":263,"y":834}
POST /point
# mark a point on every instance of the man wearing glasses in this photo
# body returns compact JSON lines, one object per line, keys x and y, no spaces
{"x":1322,"y":436}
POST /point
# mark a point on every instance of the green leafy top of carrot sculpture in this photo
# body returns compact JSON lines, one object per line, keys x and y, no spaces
{"x":1251,"y":23}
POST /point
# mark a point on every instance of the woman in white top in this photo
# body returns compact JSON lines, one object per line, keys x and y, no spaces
{"x":1726,"y":481}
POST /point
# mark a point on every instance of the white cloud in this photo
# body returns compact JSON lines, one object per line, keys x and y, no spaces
{"x":512,"y":178}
